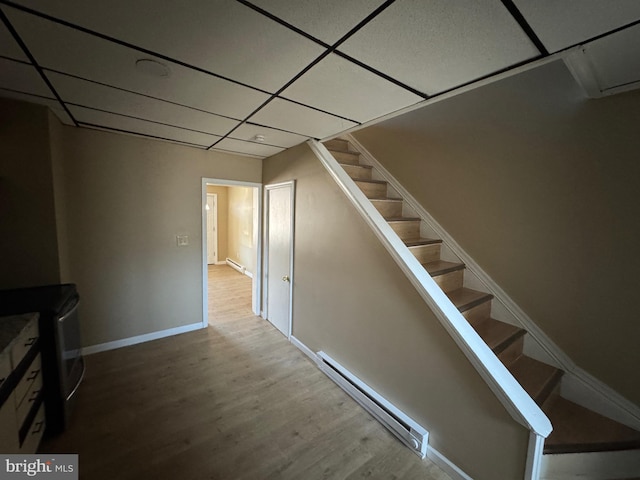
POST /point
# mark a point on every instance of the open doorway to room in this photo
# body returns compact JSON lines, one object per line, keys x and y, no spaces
{"x":231,"y":250}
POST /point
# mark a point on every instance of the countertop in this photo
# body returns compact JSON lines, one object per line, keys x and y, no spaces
{"x":10,"y":328}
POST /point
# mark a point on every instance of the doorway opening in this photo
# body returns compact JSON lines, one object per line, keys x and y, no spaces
{"x":231,"y":257}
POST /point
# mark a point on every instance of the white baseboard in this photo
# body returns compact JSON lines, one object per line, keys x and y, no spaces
{"x":304,"y":349}
{"x":446,"y":465}
{"x":147,"y":337}
{"x":432,"y":454}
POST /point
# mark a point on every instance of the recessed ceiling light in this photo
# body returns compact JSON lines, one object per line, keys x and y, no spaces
{"x":153,"y":68}
{"x":259,"y":138}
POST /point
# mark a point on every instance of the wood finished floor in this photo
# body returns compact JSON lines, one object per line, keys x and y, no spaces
{"x":233,"y":401}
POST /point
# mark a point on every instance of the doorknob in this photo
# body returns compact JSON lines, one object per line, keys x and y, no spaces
{"x":285,"y":278}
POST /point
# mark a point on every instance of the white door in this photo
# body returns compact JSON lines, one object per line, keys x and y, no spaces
{"x":279,"y":255}
{"x":212,"y":228}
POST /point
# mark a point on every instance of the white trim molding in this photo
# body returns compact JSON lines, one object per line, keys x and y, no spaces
{"x":576,"y":385}
{"x":508,"y":391}
{"x":257,"y":225}
{"x":146,"y":337}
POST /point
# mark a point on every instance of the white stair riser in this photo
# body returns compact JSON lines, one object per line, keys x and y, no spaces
{"x":450,"y":281}
{"x":388,"y":208}
{"x":337,"y":144}
{"x":426,"y":253}
{"x":513,"y":351}
{"x":346,"y":157}
{"x":406,"y":230}
{"x":478,"y":313}
{"x":355,"y":172}
{"x":373,"y":190}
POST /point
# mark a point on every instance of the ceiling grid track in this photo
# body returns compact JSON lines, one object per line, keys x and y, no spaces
{"x":260,"y":76}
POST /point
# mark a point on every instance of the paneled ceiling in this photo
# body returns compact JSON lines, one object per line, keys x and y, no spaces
{"x":256,"y":77}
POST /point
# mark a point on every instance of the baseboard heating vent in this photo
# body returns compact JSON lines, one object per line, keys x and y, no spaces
{"x":408,"y":432}
{"x":235,"y":265}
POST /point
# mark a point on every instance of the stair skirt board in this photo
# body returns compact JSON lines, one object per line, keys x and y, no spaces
{"x":577,"y":385}
{"x":591,"y":466}
{"x":405,"y":429}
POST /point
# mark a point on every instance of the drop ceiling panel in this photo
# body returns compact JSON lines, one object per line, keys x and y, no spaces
{"x":221,"y":36}
{"x":437,"y":45}
{"x":303,"y":120}
{"x":88,"y":94}
{"x":48,"y":102}
{"x":616,"y":58}
{"x":338,"y":86}
{"x":326,"y":20}
{"x":8,"y":46}
{"x":22,"y":78}
{"x":132,"y":125}
{"x":249,"y":148}
{"x":248,"y":131}
{"x":70,"y":51}
{"x":563,"y":24}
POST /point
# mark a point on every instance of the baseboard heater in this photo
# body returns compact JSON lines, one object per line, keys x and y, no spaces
{"x":408,"y":431}
{"x":236,"y":266}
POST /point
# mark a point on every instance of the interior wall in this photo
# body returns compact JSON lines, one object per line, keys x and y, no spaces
{"x":241,"y":238}
{"x":223,"y":219}
{"x":540,"y":186}
{"x":352,"y":301}
{"x":28,"y":237}
{"x":127,"y":198}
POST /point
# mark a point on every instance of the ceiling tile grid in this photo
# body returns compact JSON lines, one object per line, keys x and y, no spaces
{"x":256,"y":76}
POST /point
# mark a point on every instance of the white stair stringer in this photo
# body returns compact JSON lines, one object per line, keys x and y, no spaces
{"x":508,"y":391}
{"x":576,"y":385}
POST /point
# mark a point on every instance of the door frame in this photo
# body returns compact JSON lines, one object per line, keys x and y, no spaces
{"x":257,"y":235}
{"x":215,"y":226}
{"x":265,"y":269}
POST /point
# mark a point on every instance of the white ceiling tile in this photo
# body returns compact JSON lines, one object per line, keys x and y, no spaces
{"x":616,"y":58}
{"x":248,"y":131}
{"x":338,"y":86}
{"x":290,"y":116}
{"x":9,"y":47}
{"x":437,"y":45}
{"x":88,"y":94}
{"x":326,"y":20}
{"x":70,"y":51}
{"x":222,"y":36}
{"x":22,"y":78}
{"x":133,"y":125}
{"x":249,"y":148}
{"x":563,"y":24}
{"x":48,"y":102}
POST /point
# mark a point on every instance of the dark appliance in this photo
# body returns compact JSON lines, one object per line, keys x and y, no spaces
{"x":60,"y":344}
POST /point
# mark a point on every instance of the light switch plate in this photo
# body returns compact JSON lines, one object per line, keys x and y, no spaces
{"x":182,"y":240}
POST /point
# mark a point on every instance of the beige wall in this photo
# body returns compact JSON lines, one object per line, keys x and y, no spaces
{"x":352,"y":301}
{"x":241,"y":238}
{"x":126,"y":200}
{"x":541,"y":187}
{"x":28,"y":238}
{"x":223,"y":219}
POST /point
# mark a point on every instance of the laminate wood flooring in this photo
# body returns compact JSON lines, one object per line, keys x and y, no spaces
{"x":235,"y":401}
{"x":229,"y":294}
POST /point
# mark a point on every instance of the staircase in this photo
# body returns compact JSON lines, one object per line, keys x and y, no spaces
{"x":576,"y":430}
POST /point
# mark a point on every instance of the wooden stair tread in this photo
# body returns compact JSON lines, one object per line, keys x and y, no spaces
{"x":578,"y":429}
{"x":440,"y":267}
{"x":402,"y":219}
{"x":367,"y":167}
{"x":416,"y":242}
{"x":537,"y":378}
{"x":371,"y":181}
{"x":496,"y":334}
{"x":466,"y":298}
{"x":394,"y":200}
